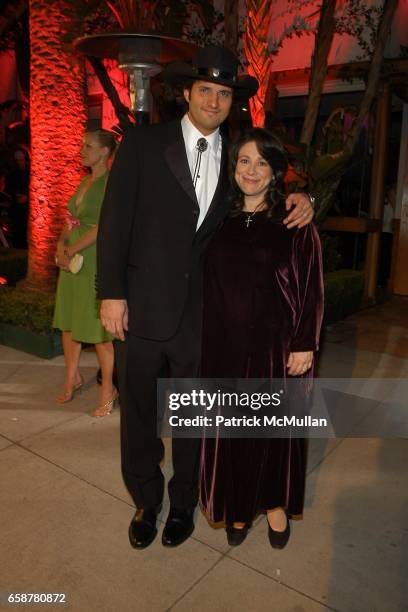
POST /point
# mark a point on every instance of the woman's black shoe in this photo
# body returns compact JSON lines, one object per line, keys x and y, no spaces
{"x":236,"y":536}
{"x":279,"y":539}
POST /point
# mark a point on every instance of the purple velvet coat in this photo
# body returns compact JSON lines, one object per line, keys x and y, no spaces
{"x":263,"y":298}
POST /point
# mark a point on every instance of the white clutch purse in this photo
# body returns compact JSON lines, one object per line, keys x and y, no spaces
{"x":75,"y":263}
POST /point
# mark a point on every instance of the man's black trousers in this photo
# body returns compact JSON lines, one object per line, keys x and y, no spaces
{"x":139,"y":363}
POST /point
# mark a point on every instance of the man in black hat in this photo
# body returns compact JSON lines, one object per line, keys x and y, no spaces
{"x":164,"y":200}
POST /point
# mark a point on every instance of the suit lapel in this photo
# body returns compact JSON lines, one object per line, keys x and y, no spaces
{"x":176,"y":158}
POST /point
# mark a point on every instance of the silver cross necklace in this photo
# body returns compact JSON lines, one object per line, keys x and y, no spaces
{"x":249,"y":216}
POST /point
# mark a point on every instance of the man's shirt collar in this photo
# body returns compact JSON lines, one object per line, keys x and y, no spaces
{"x":192,"y":134}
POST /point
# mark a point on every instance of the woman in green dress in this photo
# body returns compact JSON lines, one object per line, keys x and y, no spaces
{"x":76,"y":308}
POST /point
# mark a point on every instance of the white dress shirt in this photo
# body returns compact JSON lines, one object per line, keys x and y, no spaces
{"x":209,"y":167}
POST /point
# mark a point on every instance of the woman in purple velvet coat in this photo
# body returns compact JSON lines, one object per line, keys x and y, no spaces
{"x":263,"y":307}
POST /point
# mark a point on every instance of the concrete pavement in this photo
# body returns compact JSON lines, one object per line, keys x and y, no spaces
{"x":65,"y":511}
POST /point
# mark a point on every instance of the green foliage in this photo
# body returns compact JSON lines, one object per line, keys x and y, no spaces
{"x":318,"y":168}
{"x":168,"y":17}
{"x":178,"y":16}
{"x":28,"y":309}
{"x":212,"y":34}
{"x":85,"y":17}
{"x":163,"y":16}
{"x":343,"y":293}
{"x":360,"y":20}
{"x":13,"y":264}
{"x":354,"y":17}
{"x":34,"y":311}
{"x":331,"y":256}
{"x":324,"y":174}
{"x":11,"y":13}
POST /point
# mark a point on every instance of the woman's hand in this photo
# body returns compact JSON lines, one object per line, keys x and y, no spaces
{"x":299,"y":363}
{"x":62,"y":262}
{"x":69,"y":252}
{"x":61,"y":258}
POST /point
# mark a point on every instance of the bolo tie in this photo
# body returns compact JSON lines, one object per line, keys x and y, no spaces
{"x":201,"y":146}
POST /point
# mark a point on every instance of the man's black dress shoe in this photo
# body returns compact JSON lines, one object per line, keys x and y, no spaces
{"x":279,"y":539}
{"x":179,"y":526}
{"x":236,"y":536}
{"x":142,"y":529}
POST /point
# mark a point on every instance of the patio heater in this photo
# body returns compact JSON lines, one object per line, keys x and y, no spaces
{"x":141,"y":56}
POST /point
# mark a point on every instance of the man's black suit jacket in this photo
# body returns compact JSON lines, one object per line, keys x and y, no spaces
{"x":148,"y":250}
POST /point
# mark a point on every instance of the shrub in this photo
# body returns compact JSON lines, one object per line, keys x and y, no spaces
{"x":28,"y":309}
{"x":331,"y":254}
{"x":13,"y":264}
{"x":34,"y":311}
{"x":343,"y":293}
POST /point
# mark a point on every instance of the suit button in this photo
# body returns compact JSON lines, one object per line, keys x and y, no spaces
{"x":186,"y":275}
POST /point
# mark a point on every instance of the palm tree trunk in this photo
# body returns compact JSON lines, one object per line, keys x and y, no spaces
{"x":323,"y":42}
{"x":328,"y":187}
{"x":257,"y":53}
{"x":57,"y":119}
{"x":374,"y":73}
{"x":231,"y":21}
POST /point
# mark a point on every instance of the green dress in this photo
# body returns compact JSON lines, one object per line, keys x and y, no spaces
{"x":76,"y":305}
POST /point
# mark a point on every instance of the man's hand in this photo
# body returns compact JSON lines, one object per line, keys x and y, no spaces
{"x":303,"y":212}
{"x":114,"y":317}
{"x":299,"y":363}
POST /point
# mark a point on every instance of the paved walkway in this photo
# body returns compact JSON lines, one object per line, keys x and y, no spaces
{"x":65,"y":511}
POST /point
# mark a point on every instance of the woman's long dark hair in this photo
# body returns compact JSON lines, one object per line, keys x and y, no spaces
{"x":271,"y":150}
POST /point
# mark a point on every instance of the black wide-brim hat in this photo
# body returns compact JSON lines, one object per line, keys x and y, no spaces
{"x":215,"y":64}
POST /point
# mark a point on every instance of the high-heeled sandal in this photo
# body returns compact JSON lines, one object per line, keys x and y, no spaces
{"x":68,"y":396}
{"x":107,"y":408}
